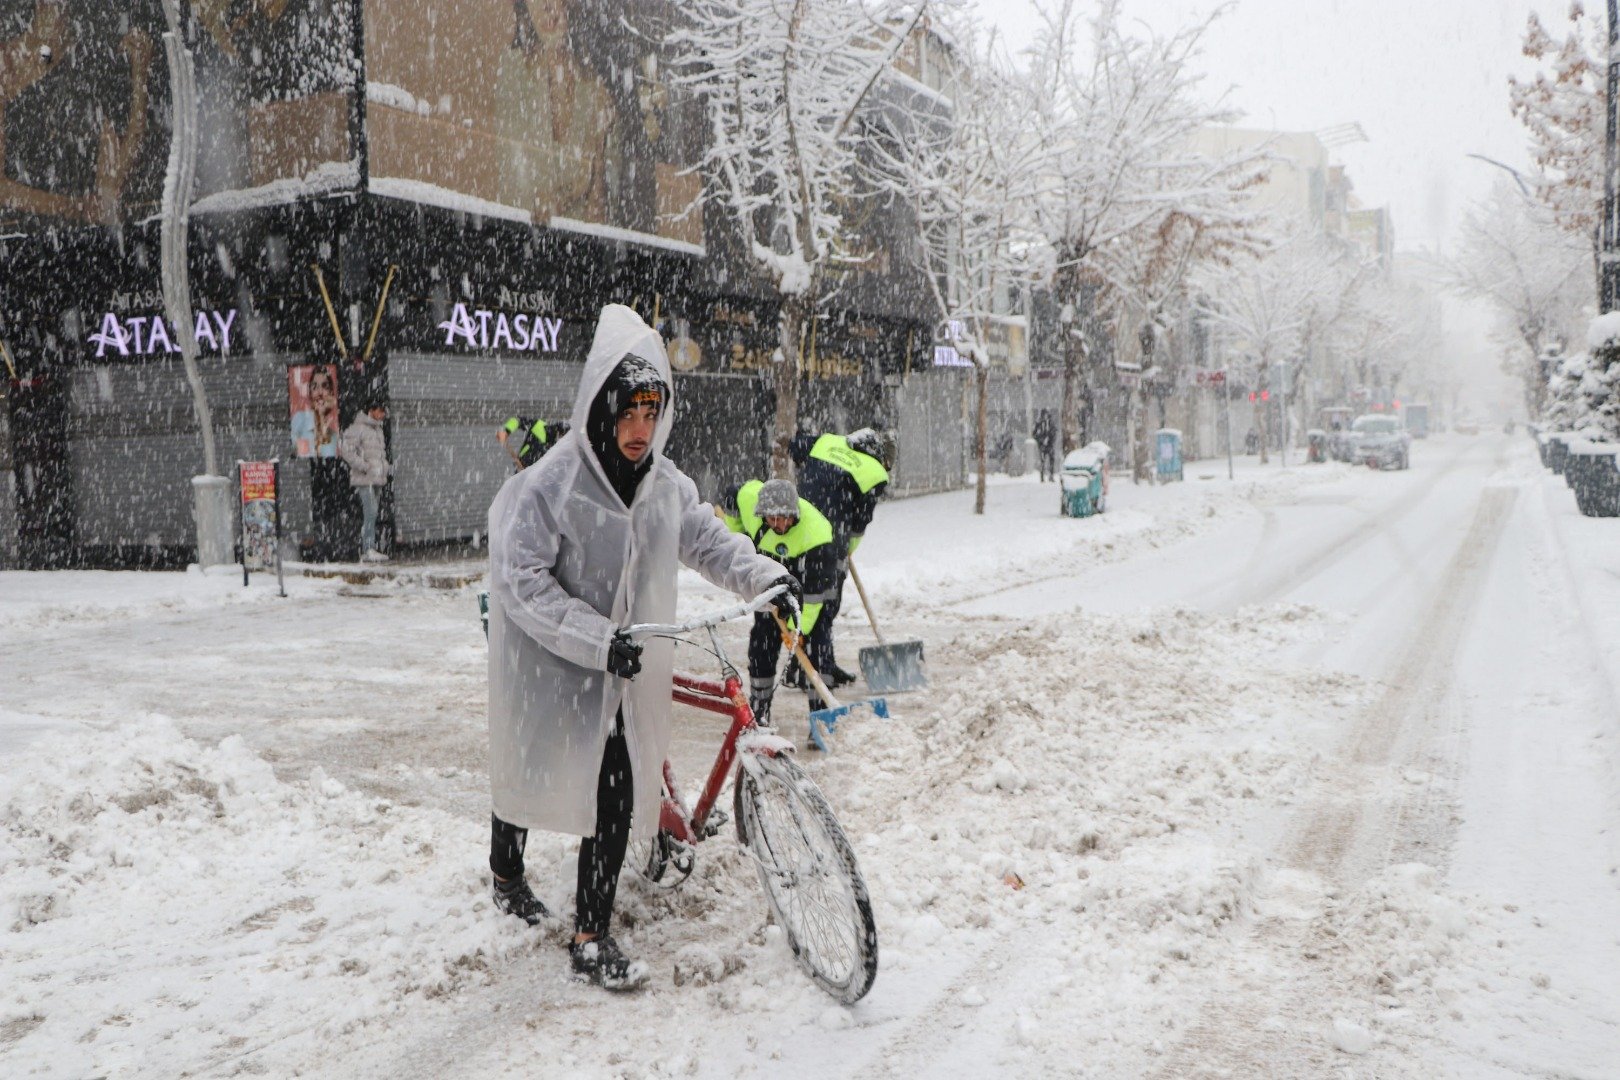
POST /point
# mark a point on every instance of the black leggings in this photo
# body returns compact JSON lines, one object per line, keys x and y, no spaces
{"x":600,"y":856}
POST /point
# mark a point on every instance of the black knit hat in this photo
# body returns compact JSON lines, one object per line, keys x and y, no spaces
{"x":634,"y":382}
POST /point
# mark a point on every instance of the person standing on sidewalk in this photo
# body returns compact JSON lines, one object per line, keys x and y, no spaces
{"x":1045,"y":436}
{"x":366,"y":451}
{"x":582,"y":544}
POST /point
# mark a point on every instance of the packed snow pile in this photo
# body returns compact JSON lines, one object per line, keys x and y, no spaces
{"x":161,"y":898}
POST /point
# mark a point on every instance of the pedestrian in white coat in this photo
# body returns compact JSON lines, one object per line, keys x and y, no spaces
{"x":366,"y":452}
{"x":582,"y":544}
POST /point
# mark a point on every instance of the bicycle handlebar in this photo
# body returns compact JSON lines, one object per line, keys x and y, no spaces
{"x":714,"y":618}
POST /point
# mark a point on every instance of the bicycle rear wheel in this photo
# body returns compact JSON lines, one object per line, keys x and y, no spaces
{"x":809,"y":873}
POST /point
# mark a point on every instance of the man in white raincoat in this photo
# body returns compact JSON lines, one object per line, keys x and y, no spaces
{"x":582,"y":544}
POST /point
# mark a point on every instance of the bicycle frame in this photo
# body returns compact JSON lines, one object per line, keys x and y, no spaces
{"x":725,"y":699}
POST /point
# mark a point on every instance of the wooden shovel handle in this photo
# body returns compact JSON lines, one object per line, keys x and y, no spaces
{"x":865,"y":603}
{"x":804,"y":662}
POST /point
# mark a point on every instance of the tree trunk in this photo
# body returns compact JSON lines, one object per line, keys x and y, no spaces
{"x":1074,"y":362}
{"x":1144,"y":441}
{"x":981,"y":375}
{"x":1263,"y":422}
{"x":1142,"y":450}
{"x":792,"y":321}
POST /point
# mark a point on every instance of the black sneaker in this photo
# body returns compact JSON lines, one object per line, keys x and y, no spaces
{"x":516,"y":898}
{"x":601,"y":962}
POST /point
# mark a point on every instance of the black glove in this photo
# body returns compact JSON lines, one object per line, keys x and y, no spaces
{"x":624,"y":656}
{"x":790,"y":603}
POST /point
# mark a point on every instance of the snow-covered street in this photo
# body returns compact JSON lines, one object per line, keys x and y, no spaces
{"x":1311,"y":773}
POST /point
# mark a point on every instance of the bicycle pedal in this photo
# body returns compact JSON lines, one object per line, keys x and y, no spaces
{"x":718,"y":819}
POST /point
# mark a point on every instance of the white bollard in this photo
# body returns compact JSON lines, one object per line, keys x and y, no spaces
{"x":211,"y":510}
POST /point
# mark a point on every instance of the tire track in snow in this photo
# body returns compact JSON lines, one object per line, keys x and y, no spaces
{"x":1273,"y":586}
{"x":1266,"y":1016}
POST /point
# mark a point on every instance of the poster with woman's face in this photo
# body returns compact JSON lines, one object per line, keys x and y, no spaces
{"x":313,"y":405}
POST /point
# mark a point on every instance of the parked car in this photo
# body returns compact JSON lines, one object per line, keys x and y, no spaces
{"x":1381,"y":442}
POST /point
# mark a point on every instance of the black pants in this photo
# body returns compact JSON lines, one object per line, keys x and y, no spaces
{"x":764,"y":646}
{"x":600,"y":856}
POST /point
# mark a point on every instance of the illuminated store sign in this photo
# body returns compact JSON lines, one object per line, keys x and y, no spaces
{"x":143,"y":335}
{"x":481,"y":328}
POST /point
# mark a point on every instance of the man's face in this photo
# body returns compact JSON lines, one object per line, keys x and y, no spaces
{"x":779,"y":523}
{"x":634,"y":430}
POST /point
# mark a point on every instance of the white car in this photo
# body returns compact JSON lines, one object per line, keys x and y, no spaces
{"x":1381,"y":441}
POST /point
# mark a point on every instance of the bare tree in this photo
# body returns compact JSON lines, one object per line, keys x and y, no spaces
{"x":1116,"y":115}
{"x":1562,"y":108}
{"x":783,"y":82}
{"x":1264,"y":307}
{"x":1514,"y":256}
{"x":966,"y":177}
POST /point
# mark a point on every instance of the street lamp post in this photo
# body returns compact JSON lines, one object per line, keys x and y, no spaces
{"x":1610,"y":281}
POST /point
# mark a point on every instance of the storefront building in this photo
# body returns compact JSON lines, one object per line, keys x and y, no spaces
{"x":426,"y":212}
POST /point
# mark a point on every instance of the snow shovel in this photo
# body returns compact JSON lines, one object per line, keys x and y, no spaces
{"x":824,"y":720}
{"x":889,"y":667}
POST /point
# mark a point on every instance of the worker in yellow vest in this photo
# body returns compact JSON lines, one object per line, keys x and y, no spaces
{"x":526,"y":441}
{"x":797,"y":535}
{"x":843,"y":477}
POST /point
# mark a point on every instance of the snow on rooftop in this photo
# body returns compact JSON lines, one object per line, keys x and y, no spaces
{"x":418,"y":191}
{"x":396,"y":97}
{"x":328,"y":178}
{"x":629,"y":236}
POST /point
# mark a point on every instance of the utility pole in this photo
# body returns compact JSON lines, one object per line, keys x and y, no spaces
{"x":1610,"y":285}
{"x":211,"y":503}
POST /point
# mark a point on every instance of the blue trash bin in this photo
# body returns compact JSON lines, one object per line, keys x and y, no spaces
{"x":1169,"y":456}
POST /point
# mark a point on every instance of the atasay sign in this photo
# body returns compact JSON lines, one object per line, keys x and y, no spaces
{"x":143,"y":335}
{"x":481,"y":328}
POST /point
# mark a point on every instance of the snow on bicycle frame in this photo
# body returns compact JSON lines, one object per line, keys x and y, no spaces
{"x":725,"y":698}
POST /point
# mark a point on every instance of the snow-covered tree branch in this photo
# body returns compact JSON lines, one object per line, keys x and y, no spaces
{"x":967,"y":177}
{"x":783,"y":82}
{"x":1124,"y":200}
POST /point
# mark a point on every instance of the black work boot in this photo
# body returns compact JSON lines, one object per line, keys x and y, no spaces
{"x":600,"y":961}
{"x":840,"y":677}
{"x":516,"y":898}
{"x":760,"y":705}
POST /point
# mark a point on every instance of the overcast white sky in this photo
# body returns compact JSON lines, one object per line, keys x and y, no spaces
{"x":1426,"y":79}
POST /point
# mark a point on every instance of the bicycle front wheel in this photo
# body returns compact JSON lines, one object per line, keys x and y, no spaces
{"x":809,"y":873}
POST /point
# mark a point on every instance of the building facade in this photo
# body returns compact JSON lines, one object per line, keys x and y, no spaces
{"x":426,"y":208}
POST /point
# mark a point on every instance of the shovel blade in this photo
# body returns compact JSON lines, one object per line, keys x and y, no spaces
{"x":895,"y":667}
{"x":823,"y":722}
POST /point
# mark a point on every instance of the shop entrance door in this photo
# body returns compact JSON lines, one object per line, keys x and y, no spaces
{"x":39,"y":414}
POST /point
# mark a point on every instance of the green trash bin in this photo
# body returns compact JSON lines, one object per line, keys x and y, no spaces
{"x":1084,"y":481}
{"x":1169,"y":455}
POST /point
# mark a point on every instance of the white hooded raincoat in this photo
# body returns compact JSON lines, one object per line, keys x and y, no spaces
{"x":569,"y":565}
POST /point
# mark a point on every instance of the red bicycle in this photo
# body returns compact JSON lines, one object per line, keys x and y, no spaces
{"x":782,"y":819}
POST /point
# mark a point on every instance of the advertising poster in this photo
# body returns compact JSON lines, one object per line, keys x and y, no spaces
{"x":312,"y":404}
{"x":259,"y":525}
